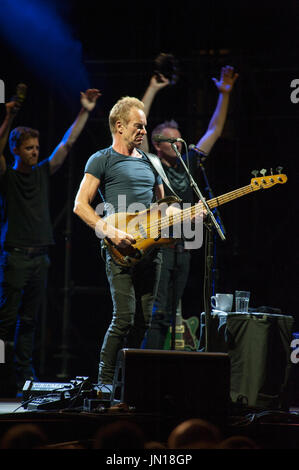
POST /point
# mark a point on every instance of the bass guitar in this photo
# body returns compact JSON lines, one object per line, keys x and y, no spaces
{"x":147,"y":226}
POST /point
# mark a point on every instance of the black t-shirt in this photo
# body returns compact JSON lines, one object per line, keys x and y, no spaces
{"x":24,"y":207}
{"x":180,"y":181}
{"x":125,"y":181}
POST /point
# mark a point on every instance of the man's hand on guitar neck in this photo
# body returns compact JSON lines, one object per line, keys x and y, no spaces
{"x":199,"y":211}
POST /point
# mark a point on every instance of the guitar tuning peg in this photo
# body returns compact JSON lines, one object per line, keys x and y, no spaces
{"x":255,"y":173}
{"x":279,"y":169}
{"x":263,"y":171}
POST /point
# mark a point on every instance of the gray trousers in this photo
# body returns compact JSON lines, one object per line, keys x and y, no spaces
{"x":133,"y":291}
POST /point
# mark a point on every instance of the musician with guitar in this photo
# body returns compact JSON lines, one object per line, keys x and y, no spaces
{"x":125,"y":177}
{"x":121,"y":170}
{"x":176,"y":259}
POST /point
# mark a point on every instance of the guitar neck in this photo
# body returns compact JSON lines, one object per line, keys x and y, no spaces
{"x":218,"y":201}
{"x":212,"y":203}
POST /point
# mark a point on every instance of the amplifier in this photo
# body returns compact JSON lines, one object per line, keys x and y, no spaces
{"x":175,"y":383}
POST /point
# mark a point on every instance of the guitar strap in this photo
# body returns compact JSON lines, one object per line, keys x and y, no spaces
{"x":156,"y":162}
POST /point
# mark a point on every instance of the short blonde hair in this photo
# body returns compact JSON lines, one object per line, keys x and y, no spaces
{"x":121,"y":111}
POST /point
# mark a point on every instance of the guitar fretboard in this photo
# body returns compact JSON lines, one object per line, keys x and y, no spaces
{"x":154,"y":229}
{"x":187,"y":214}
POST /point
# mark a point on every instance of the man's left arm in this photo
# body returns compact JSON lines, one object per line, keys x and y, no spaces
{"x":88,"y":102}
{"x":225,"y":85}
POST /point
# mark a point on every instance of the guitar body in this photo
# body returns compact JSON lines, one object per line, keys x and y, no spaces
{"x":144,"y":227}
{"x":190,"y":335}
{"x":185,"y":337}
{"x":185,"y":332}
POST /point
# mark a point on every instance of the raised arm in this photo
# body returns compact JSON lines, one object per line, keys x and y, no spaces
{"x":11,"y":110}
{"x":88,"y":102}
{"x":156,"y":84}
{"x":225,"y":85}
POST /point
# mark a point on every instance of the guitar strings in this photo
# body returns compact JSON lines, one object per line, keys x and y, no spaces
{"x":171,"y":220}
{"x":167,"y":221}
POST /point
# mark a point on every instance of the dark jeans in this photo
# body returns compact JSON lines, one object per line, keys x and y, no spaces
{"x":133,"y":291}
{"x":174,"y":275}
{"x":23,"y":280}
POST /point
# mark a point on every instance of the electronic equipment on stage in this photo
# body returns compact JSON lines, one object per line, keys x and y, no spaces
{"x":79,"y":392}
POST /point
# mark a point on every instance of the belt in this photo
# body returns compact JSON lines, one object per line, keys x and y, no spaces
{"x":29,"y":250}
{"x":179,"y":247}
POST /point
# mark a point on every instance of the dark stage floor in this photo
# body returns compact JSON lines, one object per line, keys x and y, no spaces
{"x":270,"y":429}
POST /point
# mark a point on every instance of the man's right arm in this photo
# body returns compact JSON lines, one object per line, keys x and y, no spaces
{"x":155,"y":85}
{"x":83,"y":209}
{"x":11,"y":110}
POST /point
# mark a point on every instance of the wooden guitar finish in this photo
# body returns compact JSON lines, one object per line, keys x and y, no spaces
{"x":150,"y":228}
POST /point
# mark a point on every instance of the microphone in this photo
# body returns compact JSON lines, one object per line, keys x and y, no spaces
{"x":21,"y":92}
{"x":20,"y":96}
{"x":162,"y":138}
{"x":196,"y":149}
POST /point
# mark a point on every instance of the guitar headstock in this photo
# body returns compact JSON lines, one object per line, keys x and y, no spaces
{"x":268,"y":181}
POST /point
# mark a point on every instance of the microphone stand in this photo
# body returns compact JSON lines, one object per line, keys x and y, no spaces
{"x":213,"y":222}
{"x":210,"y":248}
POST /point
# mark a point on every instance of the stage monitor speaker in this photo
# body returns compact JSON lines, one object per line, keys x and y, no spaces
{"x":175,"y":383}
